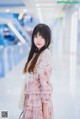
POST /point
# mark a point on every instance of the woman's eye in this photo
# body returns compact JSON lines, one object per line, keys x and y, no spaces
{"x":35,"y":36}
{"x":41,"y":36}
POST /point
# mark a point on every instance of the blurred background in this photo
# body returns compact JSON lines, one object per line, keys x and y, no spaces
{"x":17,"y":20}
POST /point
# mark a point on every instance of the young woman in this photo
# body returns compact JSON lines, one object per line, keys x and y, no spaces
{"x":38,"y":68}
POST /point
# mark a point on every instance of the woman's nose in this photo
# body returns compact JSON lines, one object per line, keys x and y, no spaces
{"x":38,"y":39}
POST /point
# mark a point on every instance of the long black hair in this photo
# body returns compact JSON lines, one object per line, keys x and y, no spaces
{"x":45,"y":32}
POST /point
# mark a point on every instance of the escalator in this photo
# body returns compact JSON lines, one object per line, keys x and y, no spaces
{"x":12,"y":55}
{"x":18,"y":30}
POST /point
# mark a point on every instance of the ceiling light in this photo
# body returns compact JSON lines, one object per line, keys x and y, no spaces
{"x":20,"y":16}
{"x":44,"y":5}
{"x":37,"y":5}
{"x":24,"y":10}
{"x":7,"y":10}
{"x":41,"y":20}
{"x":38,"y":9}
{"x":40,"y":17}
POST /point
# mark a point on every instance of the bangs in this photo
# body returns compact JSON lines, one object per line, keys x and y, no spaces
{"x":41,"y":31}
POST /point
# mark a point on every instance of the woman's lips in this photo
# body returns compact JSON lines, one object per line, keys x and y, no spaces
{"x":38,"y":44}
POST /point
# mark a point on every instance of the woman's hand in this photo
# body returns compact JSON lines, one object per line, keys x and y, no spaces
{"x":45,"y":111}
{"x":46,"y":114}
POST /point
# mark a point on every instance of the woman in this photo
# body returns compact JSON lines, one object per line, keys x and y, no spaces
{"x":37,"y":71}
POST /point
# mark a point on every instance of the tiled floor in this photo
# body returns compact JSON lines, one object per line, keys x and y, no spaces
{"x":66,"y":85}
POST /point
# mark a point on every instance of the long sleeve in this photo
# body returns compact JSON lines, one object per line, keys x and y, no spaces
{"x":44,"y":76}
{"x":46,"y":88}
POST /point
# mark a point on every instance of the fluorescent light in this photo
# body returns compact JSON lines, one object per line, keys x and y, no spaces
{"x":37,"y":5}
{"x":20,"y":16}
{"x":40,"y":17}
{"x":39,"y":14}
{"x":44,"y":5}
{"x":16,"y":32}
{"x":38,"y":9}
{"x":24,"y":10}
{"x":7,"y":10}
{"x":41,"y":20}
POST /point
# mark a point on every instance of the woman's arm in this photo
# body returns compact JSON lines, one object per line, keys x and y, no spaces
{"x":44,"y":69}
{"x":46,"y":90}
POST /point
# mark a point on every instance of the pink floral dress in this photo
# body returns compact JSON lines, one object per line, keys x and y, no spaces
{"x":38,"y":88}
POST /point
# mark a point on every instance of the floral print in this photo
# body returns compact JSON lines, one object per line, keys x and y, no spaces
{"x":38,"y":89}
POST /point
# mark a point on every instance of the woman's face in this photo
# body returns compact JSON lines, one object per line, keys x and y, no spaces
{"x":39,"y":41}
